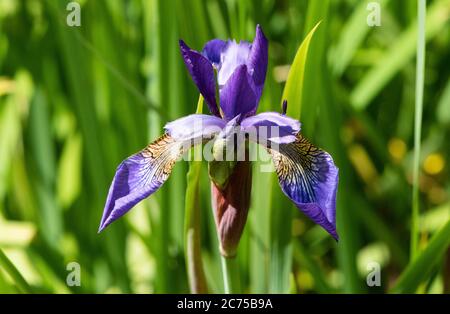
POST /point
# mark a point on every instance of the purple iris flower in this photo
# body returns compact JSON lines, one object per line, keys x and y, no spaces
{"x":231,"y":76}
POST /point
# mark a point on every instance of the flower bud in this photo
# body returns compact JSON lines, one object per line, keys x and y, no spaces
{"x":230,"y":203}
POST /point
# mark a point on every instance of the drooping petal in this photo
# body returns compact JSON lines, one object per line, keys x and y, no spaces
{"x":238,"y":95}
{"x":258,"y":59}
{"x":308,"y":176}
{"x":233,"y":56}
{"x":271,"y":127}
{"x":138,"y":176}
{"x":194,"y":126}
{"x":202,"y":73}
{"x":144,"y":173}
{"x":213,"y":49}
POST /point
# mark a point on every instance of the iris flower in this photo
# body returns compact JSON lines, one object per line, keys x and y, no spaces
{"x":230,"y":76}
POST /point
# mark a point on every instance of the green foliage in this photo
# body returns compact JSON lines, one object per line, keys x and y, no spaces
{"x":75,"y":101}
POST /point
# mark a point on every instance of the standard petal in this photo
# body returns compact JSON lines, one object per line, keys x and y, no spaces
{"x":258,"y":59}
{"x":213,"y":49}
{"x":202,"y":73}
{"x":195,"y":126}
{"x":308,"y":176}
{"x":238,"y":95}
{"x":233,"y":55}
{"x":271,"y":127}
{"x":139,"y":176}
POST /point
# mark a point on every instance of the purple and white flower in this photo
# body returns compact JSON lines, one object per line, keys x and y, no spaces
{"x":230,"y":76}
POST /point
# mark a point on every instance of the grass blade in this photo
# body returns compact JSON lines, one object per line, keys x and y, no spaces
{"x":420,"y":267}
{"x":9,"y":268}
{"x":420,"y":78}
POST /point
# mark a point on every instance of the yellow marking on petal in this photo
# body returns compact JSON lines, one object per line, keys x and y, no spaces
{"x":434,"y":164}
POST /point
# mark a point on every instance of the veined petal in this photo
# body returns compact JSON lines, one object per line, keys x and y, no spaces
{"x":202,"y":73}
{"x":213,"y":49}
{"x":258,"y":59}
{"x":238,"y":95}
{"x":308,"y":176}
{"x":195,"y":126}
{"x":271,"y":127}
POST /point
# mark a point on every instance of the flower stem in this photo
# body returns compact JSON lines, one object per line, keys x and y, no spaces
{"x":194,"y":264}
{"x":230,"y":272}
{"x":226,"y":275}
{"x":420,"y":69}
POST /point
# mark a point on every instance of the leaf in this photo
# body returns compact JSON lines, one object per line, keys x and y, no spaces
{"x":421,"y":266}
{"x":16,"y":276}
{"x":293,"y":89}
{"x":401,"y":52}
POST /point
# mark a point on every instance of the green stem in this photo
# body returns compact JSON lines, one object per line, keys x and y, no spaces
{"x":193,"y":255}
{"x":226,"y":275}
{"x":230,"y":272}
{"x":9,"y":268}
{"x":420,"y":69}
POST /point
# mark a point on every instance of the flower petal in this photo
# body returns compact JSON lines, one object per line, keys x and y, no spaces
{"x":233,"y":55}
{"x":308,"y":176}
{"x":213,"y":49}
{"x":238,"y":95}
{"x":271,"y":126}
{"x":195,"y":126}
{"x":139,"y":176}
{"x":258,"y":59}
{"x":202,"y":73}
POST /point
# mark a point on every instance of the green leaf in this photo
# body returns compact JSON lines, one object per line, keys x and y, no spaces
{"x":401,"y":52}
{"x":421,"y":266}
{"x":293,"y":90}
{"x":16,"y":276}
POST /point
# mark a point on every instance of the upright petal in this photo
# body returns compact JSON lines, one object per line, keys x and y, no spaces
{"x":271,"y":127}
{"x":213,"y":49}
{"x":238,"y":95}
{"x":202,"y":73}
{"x":308,"y":176}
{"x":258,"y":59}
{"x":233,"y":56}
{"x":144,"y":173}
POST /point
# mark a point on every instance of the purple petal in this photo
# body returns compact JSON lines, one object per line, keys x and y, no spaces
{"x":258,"y":59}
{"x":308,"y":176}
{"x":202,"y":73}
{"x":271,"y":126}
{"x":139,"y":176}
{"x":238,"y":95}
{"x":213,"y":49}
{"x":233,"y":55}
{"x":194,"y":126}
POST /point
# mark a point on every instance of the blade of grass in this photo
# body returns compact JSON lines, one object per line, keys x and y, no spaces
{"x":420,"y":78}
{"x":17,"y":277}
{"x":419,"y":268}
{"x":398,"y":56}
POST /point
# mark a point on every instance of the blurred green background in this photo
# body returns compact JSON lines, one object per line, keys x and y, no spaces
{"x":75,"y":101}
